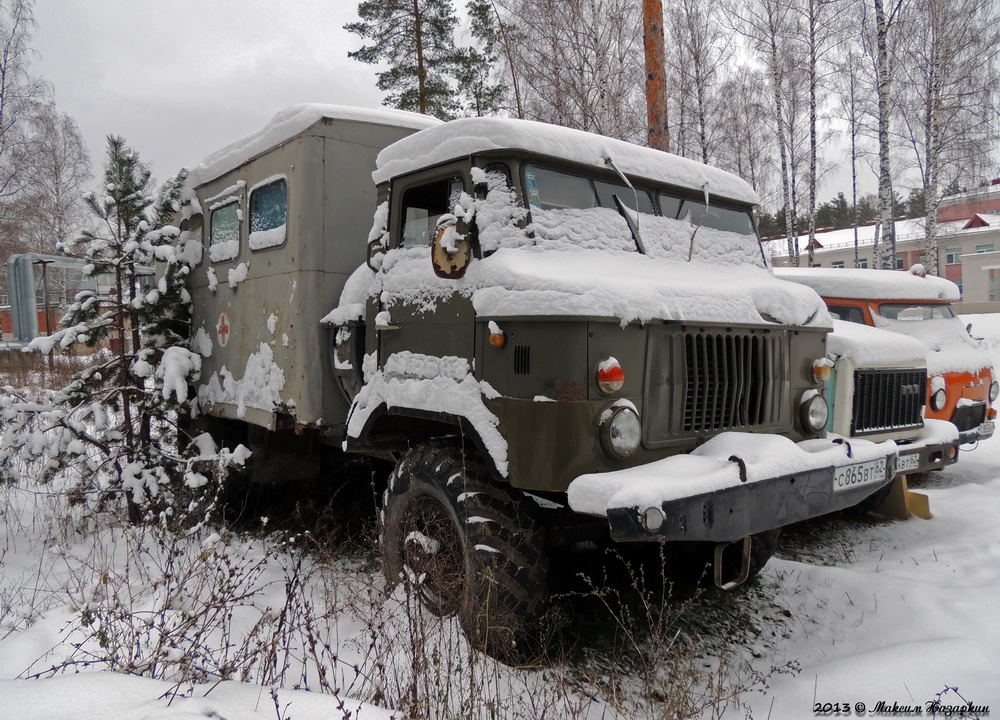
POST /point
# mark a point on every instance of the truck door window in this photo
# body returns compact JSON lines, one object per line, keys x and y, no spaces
{"x":848,"y":313}
{"x":224,"y":232}
{"x":423,"y":205}
{"x":268,"y":214}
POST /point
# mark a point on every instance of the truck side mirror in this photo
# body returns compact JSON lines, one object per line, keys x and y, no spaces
{"x":374,"y":248}
{"x":451,"y":249}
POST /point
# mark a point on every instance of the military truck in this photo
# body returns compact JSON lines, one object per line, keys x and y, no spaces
{"x":554,"y":336}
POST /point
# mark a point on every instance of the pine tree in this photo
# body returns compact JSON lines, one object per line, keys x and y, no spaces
{"x":473,"y":67}
{"x":116,"y":422}
{"x":415,"y":38}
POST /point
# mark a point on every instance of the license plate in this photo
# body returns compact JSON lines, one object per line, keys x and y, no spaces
{"x":859,"y":474}
{"x":906,"y":463}
{"x":986,"y":429}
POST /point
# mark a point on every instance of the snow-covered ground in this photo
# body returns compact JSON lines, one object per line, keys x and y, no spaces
{"x":856,"y":612}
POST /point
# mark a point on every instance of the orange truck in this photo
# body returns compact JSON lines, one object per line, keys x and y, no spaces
{"x":960,"y":384}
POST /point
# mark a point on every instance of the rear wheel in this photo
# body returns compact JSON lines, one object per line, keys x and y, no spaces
{"x":466,"y":546}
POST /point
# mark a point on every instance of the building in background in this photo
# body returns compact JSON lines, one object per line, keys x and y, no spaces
{"x":968,"y":246}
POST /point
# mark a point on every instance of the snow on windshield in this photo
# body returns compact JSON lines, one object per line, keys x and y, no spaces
{"x":949,"y":346}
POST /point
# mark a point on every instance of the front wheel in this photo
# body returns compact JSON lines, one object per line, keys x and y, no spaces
{"x":466,"y":546}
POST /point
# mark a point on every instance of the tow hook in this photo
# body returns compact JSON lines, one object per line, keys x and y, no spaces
{"x":744,"y":566}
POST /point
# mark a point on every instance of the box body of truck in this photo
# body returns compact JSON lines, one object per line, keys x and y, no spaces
{"x":284,"y":214}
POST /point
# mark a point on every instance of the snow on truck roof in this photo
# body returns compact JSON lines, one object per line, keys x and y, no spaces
{"x":290,"y":122}
{"x":461,"y":138}
{"x":864,"y":284}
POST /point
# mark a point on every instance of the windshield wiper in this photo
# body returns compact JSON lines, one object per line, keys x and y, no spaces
{"x":631,"y":219}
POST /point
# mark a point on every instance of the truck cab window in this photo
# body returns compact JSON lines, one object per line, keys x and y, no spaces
{"x":423,"y":205}
{"x":554,"y":190}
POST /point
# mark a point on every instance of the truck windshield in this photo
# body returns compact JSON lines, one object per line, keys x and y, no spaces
{"x":549,"y":189}
{"x":915,"y":312}
{"x":579,"y":210}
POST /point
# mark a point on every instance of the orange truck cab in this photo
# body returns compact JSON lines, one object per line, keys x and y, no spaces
{"x":960,"y":385}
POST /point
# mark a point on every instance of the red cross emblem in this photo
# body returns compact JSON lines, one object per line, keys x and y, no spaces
{"x":222,"y":330}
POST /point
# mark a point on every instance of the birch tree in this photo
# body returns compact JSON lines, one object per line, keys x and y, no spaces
{"x":948,"y":79}
{"x":767,"y":26}
{"x":853,"y":100}
{"x":878,"y":41}
{"x":699,"y":54}
{"x":580,"y":63}
{"x":20,"y":94}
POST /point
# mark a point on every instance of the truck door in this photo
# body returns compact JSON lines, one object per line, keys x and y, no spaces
{"x":428,"y":318}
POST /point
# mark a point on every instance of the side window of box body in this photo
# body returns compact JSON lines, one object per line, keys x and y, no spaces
{"x":268,"y":215}
{"x":224,"y":231}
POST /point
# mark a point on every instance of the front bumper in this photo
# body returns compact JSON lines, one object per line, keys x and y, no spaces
{"x":983,"y":431}
{"x":936,"y":447}
{"x":735,"y":485}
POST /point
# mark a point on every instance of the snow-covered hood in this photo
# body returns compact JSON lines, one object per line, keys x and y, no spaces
{"x":872,"y":348}
{"x":634,"y":287}
{"x":629,"y":287}
{"x":872,"y":284}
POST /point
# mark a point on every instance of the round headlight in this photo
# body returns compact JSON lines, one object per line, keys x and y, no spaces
{"x":994,"y":391}
{"x":622,"y":432}
{"x":939,"y":399}
{"x":814,"y":412}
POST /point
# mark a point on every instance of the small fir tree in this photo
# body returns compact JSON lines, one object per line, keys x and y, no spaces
{"x":116,"y":422}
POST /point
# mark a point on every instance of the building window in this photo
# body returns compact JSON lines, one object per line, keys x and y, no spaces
{"x":900,"y":262}
{"x":837,"y":264}
{"x":984,"y":248}
{"x":953,"y":256}
{"x":268,"y":214}
{"x":863,"y":263}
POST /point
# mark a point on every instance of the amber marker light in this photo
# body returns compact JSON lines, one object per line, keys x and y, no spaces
{"x":497,"y":336}
{"x":821,"y":371}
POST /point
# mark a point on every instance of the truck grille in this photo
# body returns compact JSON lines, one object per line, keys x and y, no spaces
{"x":732,"y":380}
{"x":888,"y":400}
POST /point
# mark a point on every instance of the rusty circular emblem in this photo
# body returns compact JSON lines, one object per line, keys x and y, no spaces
{"x":222,"y":329}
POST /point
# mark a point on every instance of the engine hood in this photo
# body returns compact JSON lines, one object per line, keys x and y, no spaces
{"x":535,"y":281}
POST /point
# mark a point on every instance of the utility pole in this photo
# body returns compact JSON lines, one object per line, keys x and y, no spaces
{"x":45,"y":293}
{"x":656,"y":75}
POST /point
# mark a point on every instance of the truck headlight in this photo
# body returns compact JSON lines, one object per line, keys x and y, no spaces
{"x":814,"y":412}
{"x":621,"y":431}
{"x":939,"y":399}
{"x":994,"y":391}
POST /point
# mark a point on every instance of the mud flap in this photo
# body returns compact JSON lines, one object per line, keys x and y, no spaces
{"x":901,"y":502}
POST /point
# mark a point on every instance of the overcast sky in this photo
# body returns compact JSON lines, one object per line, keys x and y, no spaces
{"x":180,"y":79}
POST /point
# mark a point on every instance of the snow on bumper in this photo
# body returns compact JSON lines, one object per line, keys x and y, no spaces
{"x":934,"y":448}
{"x":734,"y":485}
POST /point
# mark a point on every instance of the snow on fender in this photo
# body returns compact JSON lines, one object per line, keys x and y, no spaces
{"x":735,"y":485}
